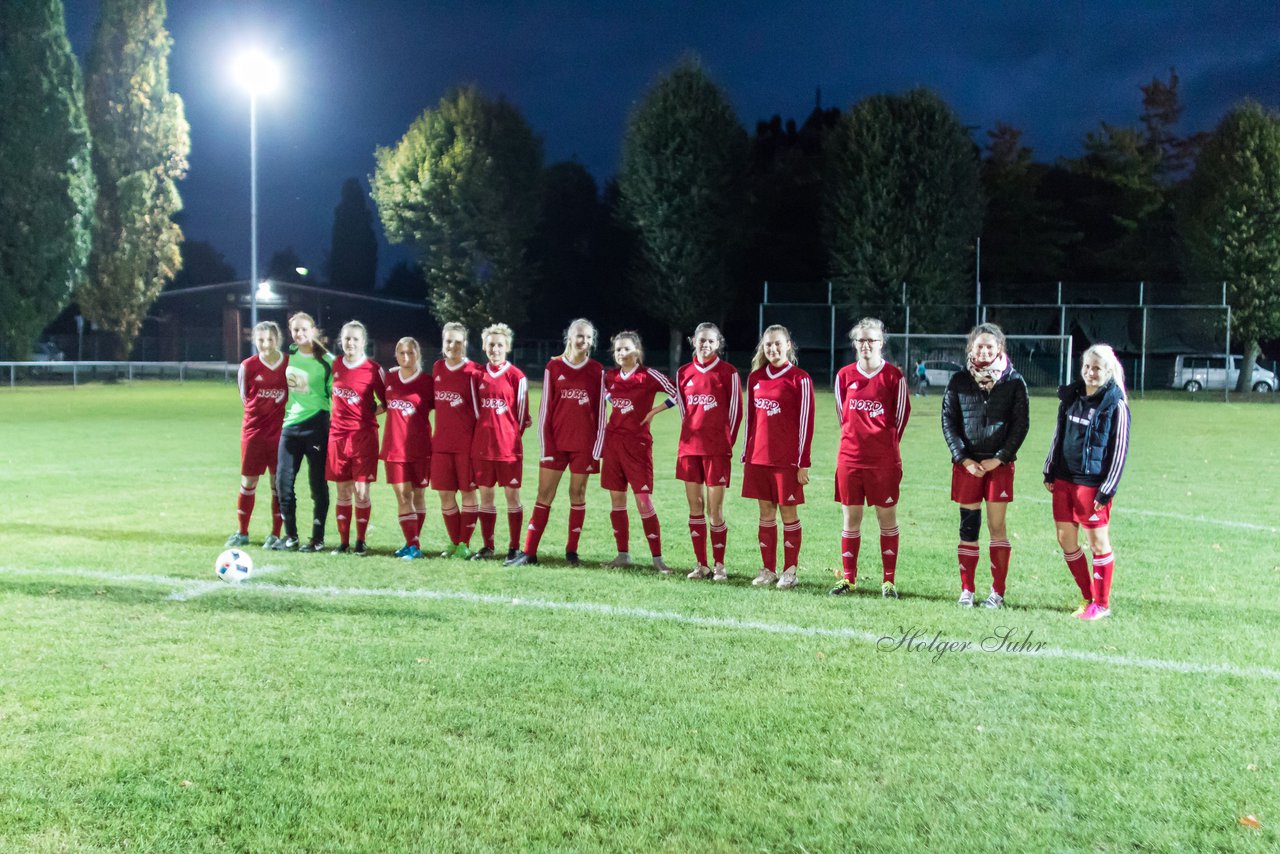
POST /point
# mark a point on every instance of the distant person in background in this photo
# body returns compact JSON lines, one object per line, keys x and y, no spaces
{"x":305,"y":434}
{"x":406,"y":442}
{"x":922,"y":379}
{"x":984,"y":420}
{"x":497,"y":448}
{"x":873,"y":406}
{"x":776,"y":450}
{"x":263,"y":391}
{"x":452,"y":475}
{"x":1082,"y":471}
{"x":359,"y":396}
{"x":711,"y":407}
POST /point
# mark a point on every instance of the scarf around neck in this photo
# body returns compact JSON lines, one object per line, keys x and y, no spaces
{"x":985,"y":374}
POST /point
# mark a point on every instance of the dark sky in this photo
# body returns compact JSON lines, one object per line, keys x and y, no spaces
{"x":358,"y":73}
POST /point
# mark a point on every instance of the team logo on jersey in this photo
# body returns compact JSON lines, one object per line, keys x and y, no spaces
{"x":578,"y":394}
{"x":853,"y":386}
{"x":689,"y":384}
{"x":351,"y":397}
{"x":404,"y":407}
{"x":706,"y":401}
{"x":770,"y":407}
{"x":276,"y":395}
{"x":623,"y":405}
{"x":873,"y":408}
{"x":258,"y":378}
{"x":450,"y":397}
{"x":495,"y":403}
{"x":560,"y":378}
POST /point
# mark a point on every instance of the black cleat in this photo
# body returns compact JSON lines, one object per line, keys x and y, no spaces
{"x":511,"y":555}
{"x":341,"y":550}
{"x":287,"y":544}
{"x":844,"y":588}
{"x":483,"y":554}
{"x":312,"y":546}
{"x":572,"y":559}
{"x":361,"y":549}
{"x":522,"y":559}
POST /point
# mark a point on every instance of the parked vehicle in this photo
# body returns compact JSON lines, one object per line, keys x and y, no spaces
{"x":937,"y":372}
{"x":47,"y":351}
{"x":1194,"y":372}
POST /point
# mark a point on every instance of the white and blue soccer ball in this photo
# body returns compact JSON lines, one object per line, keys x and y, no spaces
{"x":233,"y":565}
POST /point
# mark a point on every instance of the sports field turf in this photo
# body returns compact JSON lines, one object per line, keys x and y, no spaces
{"x":346,"y":704}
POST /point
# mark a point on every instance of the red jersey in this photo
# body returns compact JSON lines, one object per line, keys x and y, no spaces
{"x":504,"y":413}
{"x":456,"y":407}
{"x":263,"y":391}
{"x":779,"y":417}
{"x":632,"y":397}
{"x":406,"y":433}
{"x":710,"y":406}
{"x":357,"y":391}
{"x":571,"y":418}
{"x":873,"y":410}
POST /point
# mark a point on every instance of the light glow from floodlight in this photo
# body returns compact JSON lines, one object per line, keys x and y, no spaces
{"x":301,"y":271}
{"x":256,"y":72}
{"x":264,"y":290}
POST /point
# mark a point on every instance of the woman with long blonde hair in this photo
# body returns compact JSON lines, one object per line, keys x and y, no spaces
{"x":359,"y":397}
{"x":305,"y":434}
{"x":406,"y":442}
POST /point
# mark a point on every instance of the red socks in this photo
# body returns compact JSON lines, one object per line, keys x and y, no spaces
{"x":1000,"y":550}
{"x":244,"y":509}
{"x":453,"y":525}
{"x":1079,"y":566}
{"x":769,"y":545}
{"x":719,"y":538}
{"x":698,"y":536}
{"x":515,"y":521}
{"x":791,"y":536}
{"x":849,"y":542}
{"x":362,"y":521}
{"x":1103,"y":565}
{"x":488,"y":521}
{"x":968,"y":557}
{"x":652,"y":533}
{"x":889,"y":552}
{"x":342,"y":513}
{"x":577,"y":516}
{"x":537,"y":524}
{"x":468,"y":524}
{"x":621,"y":528}
{"x":409,"y":527}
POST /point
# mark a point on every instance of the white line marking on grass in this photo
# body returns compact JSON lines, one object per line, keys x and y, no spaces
{"x":1188,"y":667}
{"x":200,"y":588}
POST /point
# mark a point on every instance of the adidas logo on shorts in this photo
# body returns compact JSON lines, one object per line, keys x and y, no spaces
{"x":644,"y":489}
{"x":722,"y":480}
{"x":1094,"y":518}
{"x":515,"y":482}
{"x":1004,"y":494}
{"x":791,"y":498}
{"x":889,"y":501}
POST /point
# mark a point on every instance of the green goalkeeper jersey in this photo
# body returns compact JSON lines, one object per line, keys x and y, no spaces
{"x":310,"y":386}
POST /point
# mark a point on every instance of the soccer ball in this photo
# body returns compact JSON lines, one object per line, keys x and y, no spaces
{"x":233,"y":565}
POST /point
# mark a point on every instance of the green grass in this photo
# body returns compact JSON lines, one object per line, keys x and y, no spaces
{"x":312,"y":709}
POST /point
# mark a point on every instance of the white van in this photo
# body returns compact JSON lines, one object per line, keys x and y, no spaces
{"x":1207,"y":371}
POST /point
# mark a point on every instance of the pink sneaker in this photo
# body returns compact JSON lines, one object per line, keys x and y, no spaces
{"x":1095,"y":612}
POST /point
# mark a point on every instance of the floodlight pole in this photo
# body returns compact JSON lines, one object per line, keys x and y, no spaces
{"x":253,"y":207}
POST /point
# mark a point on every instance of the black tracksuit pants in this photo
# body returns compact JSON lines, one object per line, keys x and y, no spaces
{"x":310,"y":440}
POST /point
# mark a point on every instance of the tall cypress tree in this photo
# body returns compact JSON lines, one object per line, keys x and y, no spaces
{"x":46,"y":181}
{"x":141,"y":140}
{"x":353,"y":250}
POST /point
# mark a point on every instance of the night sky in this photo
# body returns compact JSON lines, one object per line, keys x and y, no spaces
{"x":358,"y":73}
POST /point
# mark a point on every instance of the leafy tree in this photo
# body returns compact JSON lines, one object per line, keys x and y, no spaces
{"x":1231,"y":222}
{"x":683,"y":172}
{"x":47,"y":187}
{"x":353,"y":249}
{"x":904,"y":204}
{"x":140,"y":146}
{"x":202,"y":265}
{"x":462,"y":186}
{"x":284,"y":266}
{"x":406,"y":281}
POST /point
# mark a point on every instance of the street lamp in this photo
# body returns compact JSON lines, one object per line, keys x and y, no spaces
{"x":258,"y":74}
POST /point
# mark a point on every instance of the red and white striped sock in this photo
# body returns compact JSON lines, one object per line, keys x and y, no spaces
{"x":769,"y":545}
{"x":468,"y":527}
{"x":719,"y":542}
{"x":488,"y":521}
{"x":342,"y":513}
{"x":577,"y":518}
{"x":1078,"y":564}
{"x":889,"y":552}
{"x":515,"y":521}
{"x":652,"y":532}
{"x":967,"y":555}
{"x":244,"y":509}
{"x":621,"y":528}
{"x":1103,"y":565}
{"x":421,"y":520}
{"x":849,"y":543}
{"x":1000,"y":551}
{"x":791,"y":538}
{"x":698,"y":536}
{"x":362,"y":520}
{"x":452,"y":525}
{"x":408,"y":525}
{"x":537,"y":524}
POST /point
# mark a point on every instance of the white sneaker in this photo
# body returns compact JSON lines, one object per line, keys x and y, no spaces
{"x":995,"y":600}
{"x":661,"y":565}
{"x":623,"y":559}
{"x":700,"y":572}
{"x":788,"y":579}
{"x":721,"y":574}
{"x":766,"y":576}
{"x":966,"y":599}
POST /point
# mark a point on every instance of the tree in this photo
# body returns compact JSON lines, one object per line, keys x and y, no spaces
{"x":140,"y":146}
{"x":284,"y":266}
{"x":1231,"y":222}
{"x":46,"y":180}
{"x":904,"y":204}
{"x":462,"y":186}
{"x":405,"y":281}
{"x":202,"y":265}
{"x":683,"y":172}
{"x":353,"y":249}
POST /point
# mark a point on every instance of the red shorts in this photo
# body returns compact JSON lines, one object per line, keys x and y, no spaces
{"x":996,"y":485}
{"x":1074,"y":503}
{"x":352,"y":456}
{"x":416,"y":472}
{"x":873,"y":487}
{"x":713,"y":471}
{"x":259,"y":454}
{"x":577,"y":462}
{"x":499,"y":473}
{"x":452,"y":472}
{"x":772,"y":483}
{"x":627,"y":463}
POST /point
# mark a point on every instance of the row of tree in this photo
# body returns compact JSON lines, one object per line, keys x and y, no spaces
{"x":88,"y":169}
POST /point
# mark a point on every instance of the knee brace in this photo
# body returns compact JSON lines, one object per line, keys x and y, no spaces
{"x":970,"y":525}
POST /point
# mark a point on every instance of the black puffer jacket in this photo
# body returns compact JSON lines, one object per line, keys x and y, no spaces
{"x":979,"y":425}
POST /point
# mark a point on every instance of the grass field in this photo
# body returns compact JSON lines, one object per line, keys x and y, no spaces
{"x":345,"y":704}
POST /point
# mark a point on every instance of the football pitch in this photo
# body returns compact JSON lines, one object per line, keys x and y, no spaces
{"x":339,"y":703}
